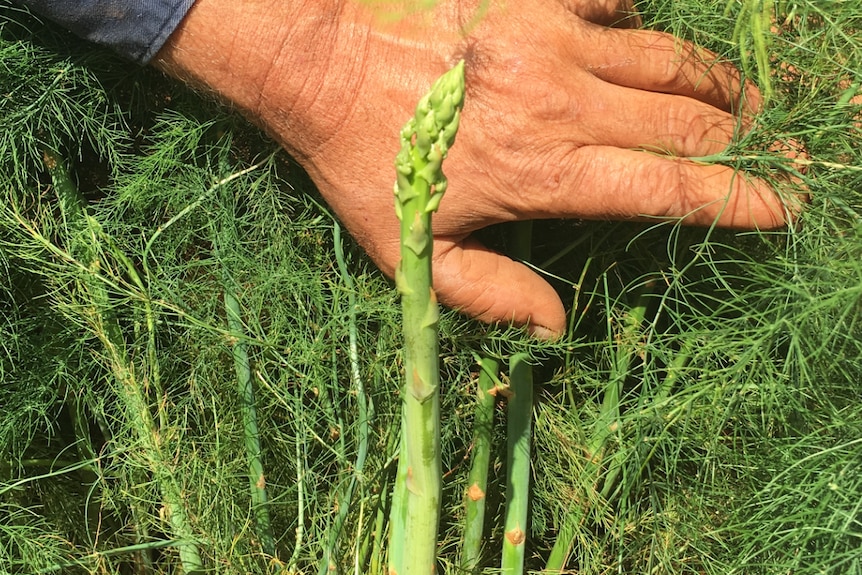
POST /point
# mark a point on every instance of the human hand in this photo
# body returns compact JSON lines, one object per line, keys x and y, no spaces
{"x":559,"y":110}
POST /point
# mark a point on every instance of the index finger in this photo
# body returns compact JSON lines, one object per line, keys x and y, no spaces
{"x":659,"y":62}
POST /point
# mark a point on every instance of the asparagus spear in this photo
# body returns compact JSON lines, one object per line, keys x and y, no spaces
{"x":518,"y":431}
{"x":425,"y":141}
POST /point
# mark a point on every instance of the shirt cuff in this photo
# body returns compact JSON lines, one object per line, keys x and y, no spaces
{"x":136,"y":29}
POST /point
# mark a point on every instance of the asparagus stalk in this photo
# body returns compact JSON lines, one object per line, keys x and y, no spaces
{"x":425,"y":141}
{"x":85,"y":243}
{"x":608,"y":423}
{"x":245,"y":387}
{"x":518,"y":457}
{"x":477,"y":482}
{"x":602,"y":468}
{"x":518,"y":431}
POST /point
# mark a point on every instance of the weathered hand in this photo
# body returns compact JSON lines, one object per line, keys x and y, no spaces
{"x":564,"y":117}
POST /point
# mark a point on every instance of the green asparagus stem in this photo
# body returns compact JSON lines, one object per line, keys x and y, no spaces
{"x":363,"y":429}
{"x":602,"y":469}
{"x":477,"y":481}
{"x":86,"y":240}
{"x":425,"y":141}
{"x":375,"y":564}
{"x":256,"y":477}
{"x":608,"y":424}
{"x":519,"y":414}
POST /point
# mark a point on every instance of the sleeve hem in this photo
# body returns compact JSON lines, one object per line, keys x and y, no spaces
{"x":164,"y":32}
{"x":136,"y":29}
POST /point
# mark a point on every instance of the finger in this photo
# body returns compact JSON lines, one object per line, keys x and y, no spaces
{"x":602,"y":182}
{"x":657,"y":122}
{"x":617,"y":13}
{"x":656,"y":61}
{"x":493,"y":288}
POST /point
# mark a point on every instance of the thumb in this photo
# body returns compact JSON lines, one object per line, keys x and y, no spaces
{"x":493,"y":288}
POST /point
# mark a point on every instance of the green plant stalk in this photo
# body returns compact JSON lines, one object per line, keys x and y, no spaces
{"x":674,"y":369}
{"x":384,"y":502}
{"x":363,"y":425}
{"x":626,"y":349}
{"x":565,"y":539}
{"x":298,"y":448}
{"x":606,"y":424}
{"x":398,"y":511}
{"x":752,"y":24}
{"x":518,"y":432}
{"x":365,"y":539}
{"x":425,"y":141}
{"x":86,"y":234}
{"x":375,"y":564}
{"x":477,"y":480}
{"x":245,"y":387}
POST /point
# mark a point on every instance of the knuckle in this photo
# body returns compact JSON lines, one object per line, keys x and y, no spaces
{"x":691,"y":128}
{"x":672,"y":196}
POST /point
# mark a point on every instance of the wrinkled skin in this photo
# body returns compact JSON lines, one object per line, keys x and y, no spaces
{"x":564,"y":117}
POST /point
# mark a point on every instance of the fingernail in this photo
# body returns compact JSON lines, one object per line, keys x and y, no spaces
{"x":542,"y":332}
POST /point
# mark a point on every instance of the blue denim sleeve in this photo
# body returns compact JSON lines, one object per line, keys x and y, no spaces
{"x":136,"y":29}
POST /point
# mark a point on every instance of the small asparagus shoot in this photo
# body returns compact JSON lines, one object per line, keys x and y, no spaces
{"x":518,"y":431}
{"x":477,"y":481}
{"x":86,"y":244}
